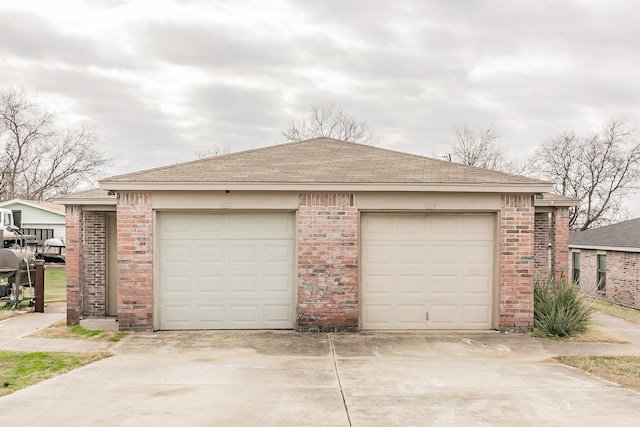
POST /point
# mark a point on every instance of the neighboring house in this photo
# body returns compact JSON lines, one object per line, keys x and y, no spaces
{"x":313,"y":235}
{"x":42,"y":219}
{"x":606,"y":262}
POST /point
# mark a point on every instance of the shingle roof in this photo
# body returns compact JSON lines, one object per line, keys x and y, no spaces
{"x":622,"y":235}
{"x":321,"y":160}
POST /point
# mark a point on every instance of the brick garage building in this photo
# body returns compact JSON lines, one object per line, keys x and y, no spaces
{"x":606,"y":262}
{"x":314,"y":235}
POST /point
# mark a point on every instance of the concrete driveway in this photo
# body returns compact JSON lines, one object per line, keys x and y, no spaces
{"x":266,"y":378}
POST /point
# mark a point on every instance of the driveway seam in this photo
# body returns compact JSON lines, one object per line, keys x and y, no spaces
{"x":335,"y":367}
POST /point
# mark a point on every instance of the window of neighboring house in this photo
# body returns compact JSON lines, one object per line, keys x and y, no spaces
{"x":576,"y":266}
{"x":602,"y":273}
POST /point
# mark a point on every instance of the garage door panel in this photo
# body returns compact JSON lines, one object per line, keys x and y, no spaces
{"x":377,"y":254}
{"x":476,"y":314}
{"x":237,"y":272}
{"x":277,"y":314}
{"x":280,"y":252}
{"x":443,"y":228}
{"x":378,"y":315}
{"x":378,"y":285}
{"x":177,"y":286}
{"x":409,"y":285}
{"x":277,"y":285}
{"x":443,"y":286}
{"x":478,"y":254}
{"x":477,"y":284}
{"x":243,"y":286}
{"x":444,"y":316}
{"x":444,"y":255}
{"x":410,"y":315}
{"x":409,"y":225}
{"x":477,"y":228}
{"x":410,"y":254}
{"x":435,"y":265}
{"x":209,"y":286}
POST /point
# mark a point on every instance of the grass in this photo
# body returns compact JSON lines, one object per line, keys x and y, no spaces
{"x":619,"y":311}
{"x":60,"y":330}
{"x":19,"y":370}
{"x":55,"y":283}
{"x":624,"y":370}
{"x":590,"y":334}
{"x":55,"y":289}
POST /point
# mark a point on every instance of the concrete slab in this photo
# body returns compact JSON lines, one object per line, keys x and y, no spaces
{"x":104,"y":324}
{"x":287,"y":378}
{"x":283,"y":378}
{"x":20,"y":326}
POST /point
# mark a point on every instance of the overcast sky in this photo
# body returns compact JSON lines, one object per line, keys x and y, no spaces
{"x":164,"y":79}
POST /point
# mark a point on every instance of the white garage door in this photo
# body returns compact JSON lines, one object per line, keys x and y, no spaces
{"x":226,"y":270}
{"x":430,"y":271}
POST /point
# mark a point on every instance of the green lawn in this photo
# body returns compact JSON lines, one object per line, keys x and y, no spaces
{"x":55,"y":283}
{"x":19,"y":370}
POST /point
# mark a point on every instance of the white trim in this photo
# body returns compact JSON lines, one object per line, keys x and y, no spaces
{"x":605,"y":248}
{"x":325,"y":187}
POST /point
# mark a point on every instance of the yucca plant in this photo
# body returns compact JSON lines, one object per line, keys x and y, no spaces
{"x":559,"y":309}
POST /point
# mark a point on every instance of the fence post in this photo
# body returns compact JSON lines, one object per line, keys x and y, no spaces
{"x":39,"y":308}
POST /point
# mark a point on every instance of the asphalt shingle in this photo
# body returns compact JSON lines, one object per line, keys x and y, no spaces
{"x":622,"y":235}
{"x":322,"y":160}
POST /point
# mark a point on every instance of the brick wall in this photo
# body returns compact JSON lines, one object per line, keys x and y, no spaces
{"x":72,"y":264}
{"x":516,"y":263}
{"x":328,"y":228}
{"x":135,"y":262}
{"x":94,"y":239}
{"x":561,"y":243}
{"x":551,"y":259}
{"x":543,"y":237}
{"x":623,"y":277}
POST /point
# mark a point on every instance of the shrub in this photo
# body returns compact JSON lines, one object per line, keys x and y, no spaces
{"x":559,"y":309}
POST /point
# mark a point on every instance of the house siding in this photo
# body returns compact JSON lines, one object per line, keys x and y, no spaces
{"x":623,"y":276}
{"x":328,"y":251}
{"x":516,"y":263}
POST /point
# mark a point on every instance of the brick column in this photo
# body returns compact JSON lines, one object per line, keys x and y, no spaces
{"x":561,"y":243}
{"x":328,"y":227}
{"x":72,"y":264}
{"x":94,"y":261}
{"x":135,"y":262}
{"x":516,"y":263}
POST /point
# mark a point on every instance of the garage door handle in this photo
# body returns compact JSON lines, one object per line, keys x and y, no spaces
{"x":427,"y":315}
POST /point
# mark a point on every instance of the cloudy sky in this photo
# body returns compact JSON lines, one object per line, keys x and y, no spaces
{"x":165,"y":79}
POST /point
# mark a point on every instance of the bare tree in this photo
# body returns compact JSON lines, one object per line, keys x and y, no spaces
{"x":481,"y":149}
{"x":599,"y":170}
{"x":215,"y":150}
{"x":38,"y":159}
{"x":333,"y":122}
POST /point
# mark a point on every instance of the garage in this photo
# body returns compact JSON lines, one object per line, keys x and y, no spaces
{"x":427,"y":271}
{"x":225,"y":270}
{"x":315,"y":235}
